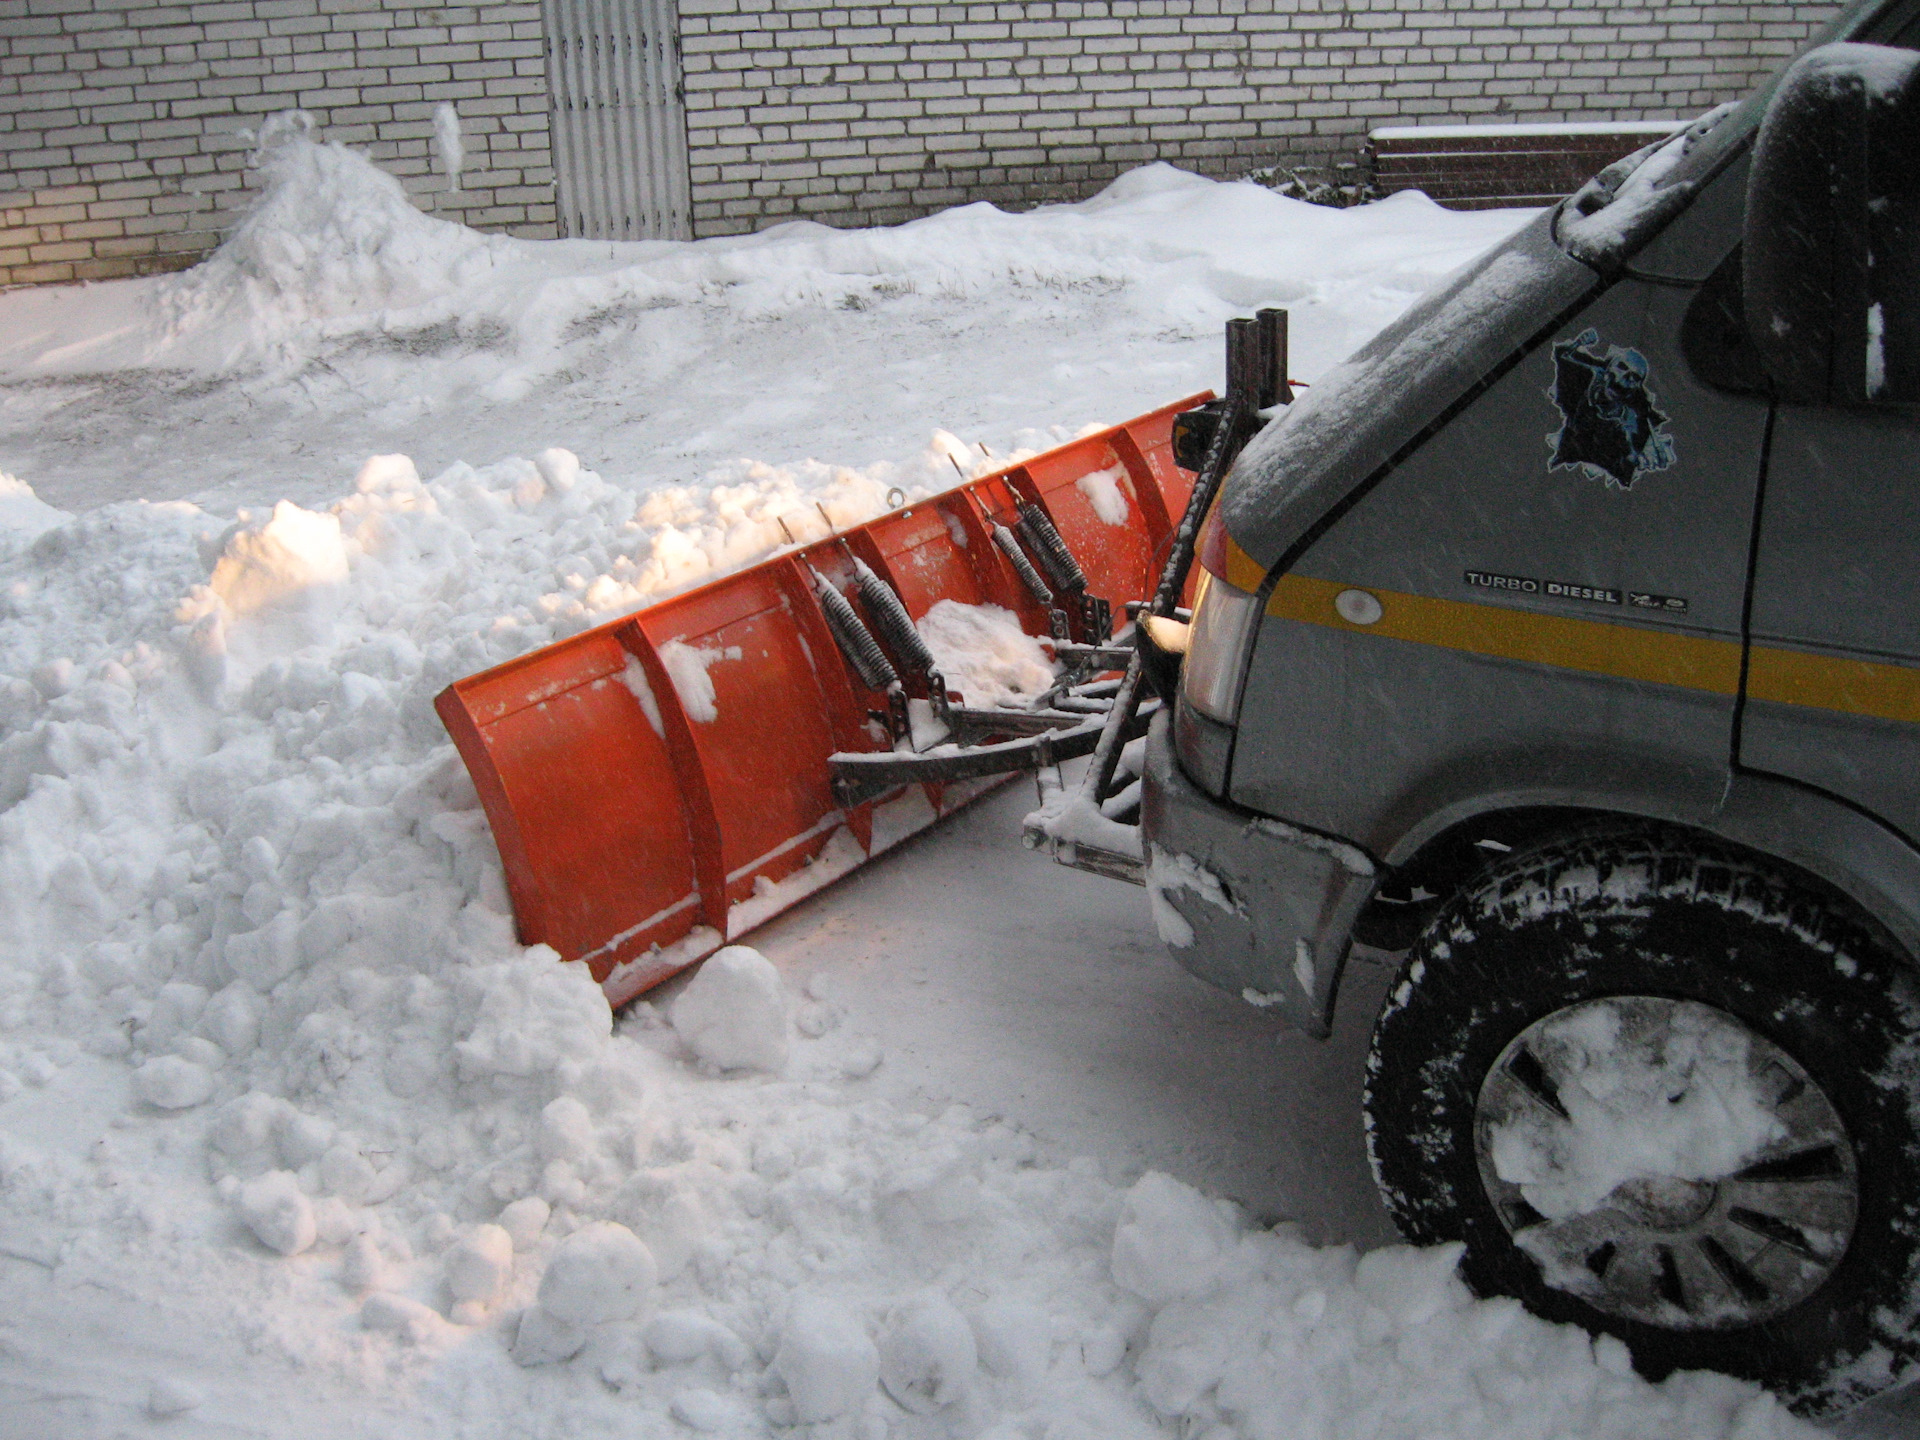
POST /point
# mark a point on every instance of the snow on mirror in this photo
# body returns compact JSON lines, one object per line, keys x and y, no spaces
{"x":1666,"y":1164}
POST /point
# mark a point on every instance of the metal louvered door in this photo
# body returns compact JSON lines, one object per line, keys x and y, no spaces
{"x":619,"y":121}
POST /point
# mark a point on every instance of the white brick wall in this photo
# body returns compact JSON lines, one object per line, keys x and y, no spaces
{"x":854,"y":114}
{"x":121,"y":145}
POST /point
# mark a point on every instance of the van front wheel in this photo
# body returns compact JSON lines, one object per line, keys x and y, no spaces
{"x":1666,"y":1093}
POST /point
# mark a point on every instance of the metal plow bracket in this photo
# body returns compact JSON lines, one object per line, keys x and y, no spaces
{"x":641,"y":829}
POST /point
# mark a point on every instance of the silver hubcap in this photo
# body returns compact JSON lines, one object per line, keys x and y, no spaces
{"x":1665,"y":1163}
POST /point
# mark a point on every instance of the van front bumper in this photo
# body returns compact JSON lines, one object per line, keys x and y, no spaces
{"x":1261,"y":908}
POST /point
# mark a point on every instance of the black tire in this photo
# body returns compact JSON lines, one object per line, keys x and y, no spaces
{"x":1659,"y":915}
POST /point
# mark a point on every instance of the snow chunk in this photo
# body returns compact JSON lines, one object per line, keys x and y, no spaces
{"x":1171,"y":1240}
{"x":479,"y":1264}
{"x":172,"y":1083}
{"x":677,"y":1337}
{"x":293,"y":551}
{"x":687,"y":667}
{"x":928,"y":1360}
{"x":167,"y":1397}
{"x":601,"y":1272}
{"x":733,"y":1014}
{"x":524,"y":1219}
{"x":829,"y":1364}
{"x":566,"y":1130}
{"x":278,"y":1212}
{"x":1013,"y":1339}
{"x":1103,"y":492}
{"x":531,"y":1015}
{"x":984,"y":654}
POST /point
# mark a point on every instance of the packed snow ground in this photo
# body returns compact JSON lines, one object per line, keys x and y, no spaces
{"x":295,"y":1140}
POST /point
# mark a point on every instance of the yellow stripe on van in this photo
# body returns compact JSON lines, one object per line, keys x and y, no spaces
{"x":1626,"y":652}
{"x":1825,"y":682}
{"x":1243,"y":571}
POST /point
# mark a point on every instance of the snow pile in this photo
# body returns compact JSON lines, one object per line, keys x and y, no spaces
{"x":984,"y":654}
{"x":1659,"y":1101}
{"x":330,"y":236}
{"x":335,"y":270}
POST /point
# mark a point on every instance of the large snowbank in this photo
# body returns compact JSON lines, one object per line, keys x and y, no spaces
{"x":285,"y":1112}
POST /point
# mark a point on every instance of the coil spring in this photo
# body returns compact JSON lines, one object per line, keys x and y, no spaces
{"x":890,"y":618}
{"x":1023,"y":567}
{"x":856,"y":642}
{"x":1036,"y":528}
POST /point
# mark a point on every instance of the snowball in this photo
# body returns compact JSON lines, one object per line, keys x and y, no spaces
{"x":542,"y":1339}
{"x":362,"y":1268}
{"x":710,"y":1412}
{"x":167,"y":1396}
{"x":333,"y":1220}
{"x":928,"y":1360}
{"x":176,"y":1010}
{"x":172,"y":1083}
{"x":479,"y":1264}
{"x":566,"y":1130}
{"x":675,"y":1337}
{"x":1412,"y":1285}
{"x":1170,"y":1241}
{"x":303,"y":1138}
{"x":278,"y":1213}
{"x":560,"y":468}
{"x":828,"y":1363}
{"x":601,"y":1272}
{"x":733,"y":1014}
{"x":232,"y":1020}
{"x":525,"y":1219}
{"x":1014,"y":1340}
{"x":244,"y":1129}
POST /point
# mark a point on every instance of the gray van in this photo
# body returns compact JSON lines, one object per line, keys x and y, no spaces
{"x":1567,"y":638}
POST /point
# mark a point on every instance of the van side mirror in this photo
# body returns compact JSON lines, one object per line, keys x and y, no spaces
{"x":1832,"y":240}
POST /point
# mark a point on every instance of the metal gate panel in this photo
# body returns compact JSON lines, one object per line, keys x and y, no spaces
{"x":619,"y":120}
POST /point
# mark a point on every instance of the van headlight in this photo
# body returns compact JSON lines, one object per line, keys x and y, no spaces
{"x":1224,"y":617}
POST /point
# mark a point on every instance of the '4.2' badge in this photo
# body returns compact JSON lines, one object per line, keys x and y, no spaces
{"x":1610,"y":428}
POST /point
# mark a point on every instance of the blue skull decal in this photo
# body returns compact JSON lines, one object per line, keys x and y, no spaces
{"x":1611,"y":430}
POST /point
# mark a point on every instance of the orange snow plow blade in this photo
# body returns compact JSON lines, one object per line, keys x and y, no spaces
{"x":659,"y":785}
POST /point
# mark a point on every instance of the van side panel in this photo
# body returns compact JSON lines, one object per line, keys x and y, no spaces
{"x":1561,"y":577}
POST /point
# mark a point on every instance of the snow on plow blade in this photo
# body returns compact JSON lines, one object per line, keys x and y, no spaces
{"x":660,"y":785}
